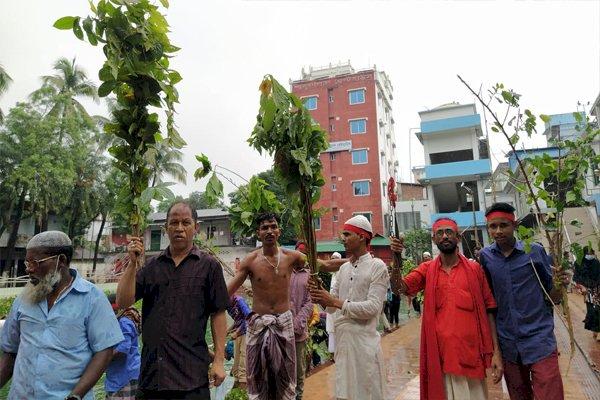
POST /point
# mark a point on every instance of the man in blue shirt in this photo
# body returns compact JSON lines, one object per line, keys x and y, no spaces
{"x":59,"y":335}
{"x":123,"y":372}
{"x":525,"y":321}
{"x":238,"y":310}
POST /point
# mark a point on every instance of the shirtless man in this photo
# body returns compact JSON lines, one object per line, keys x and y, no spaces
{"x":270,"y":343}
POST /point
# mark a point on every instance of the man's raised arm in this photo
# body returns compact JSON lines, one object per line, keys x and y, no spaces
{"x":240,"y":277}
{"x":126,"y":285}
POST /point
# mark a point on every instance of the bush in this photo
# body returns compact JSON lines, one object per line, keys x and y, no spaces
{"x":5,"y":305}
{"x":237,"y":394}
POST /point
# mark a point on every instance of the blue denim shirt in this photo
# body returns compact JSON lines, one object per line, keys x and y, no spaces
{"x":125,"y":368}
{"x":54,"y":347}
{"x":525,"y":322}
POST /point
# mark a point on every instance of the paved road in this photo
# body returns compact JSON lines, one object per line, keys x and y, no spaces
{"x":401,"y":347}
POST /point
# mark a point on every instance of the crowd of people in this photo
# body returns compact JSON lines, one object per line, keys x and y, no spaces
{"x":63,"y":333}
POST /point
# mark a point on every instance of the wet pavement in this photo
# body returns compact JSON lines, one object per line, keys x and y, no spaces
{"x":401,"y":352}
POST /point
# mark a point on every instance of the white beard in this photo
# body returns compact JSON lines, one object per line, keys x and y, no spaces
{"x":33,"y":294}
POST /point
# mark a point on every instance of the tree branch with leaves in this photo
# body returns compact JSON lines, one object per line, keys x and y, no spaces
{"x":550,"y":184}
{"x":134,"y":40}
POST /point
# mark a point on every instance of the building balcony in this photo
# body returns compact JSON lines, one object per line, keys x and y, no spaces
{"x":463,"y":219}
{"x":450,"y":124}
{"x":457,"y":171}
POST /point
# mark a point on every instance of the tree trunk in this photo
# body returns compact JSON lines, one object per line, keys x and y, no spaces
{"x":98,"y":238}
{"x":75,"y":203}
{"x":12,"y":239}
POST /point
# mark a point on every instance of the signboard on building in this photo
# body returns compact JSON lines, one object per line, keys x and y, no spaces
{"x":343,"y":145}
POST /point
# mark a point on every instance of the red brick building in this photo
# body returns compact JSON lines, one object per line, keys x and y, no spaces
{"x":354,"y":107}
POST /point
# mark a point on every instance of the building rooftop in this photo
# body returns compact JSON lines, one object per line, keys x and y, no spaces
{"x":207,"y":213}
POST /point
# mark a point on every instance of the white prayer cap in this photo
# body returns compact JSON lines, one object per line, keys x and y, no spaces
{"x":336,"y":255}
{"x":360,"y":222}
{"x":426,"y":254}
{"x":49,"y":239}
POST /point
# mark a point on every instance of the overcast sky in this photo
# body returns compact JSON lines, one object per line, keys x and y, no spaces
{"x":549,"y":51}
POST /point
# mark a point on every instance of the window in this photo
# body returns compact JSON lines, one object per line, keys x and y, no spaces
{"x":408,"y":220}
{"x":317,"y":223}
{"x":335,"y":218}
{"x":330,"y":95}
{"x":358,"y":126}
{"x":310,"y":102}
{"x":366,"y":214}
{"x":332,"y":156}
{"x":333,"y":187}
{"x":356,"y":96}
{"x":360,"y":188}
{"x":359,"y":156}
{"x":331,"y":128}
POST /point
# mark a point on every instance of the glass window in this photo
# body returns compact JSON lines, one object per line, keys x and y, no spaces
{"x":356,"y":96}
{"x":359,"y":156}
{"x":310,"y":102}
{"x":360,"y":188}
{"x":358,"y":126}
{"x":335,"y":218}
{"x":333,"y":187}
{"x":317,"y":223}
{"x":332,"y":156}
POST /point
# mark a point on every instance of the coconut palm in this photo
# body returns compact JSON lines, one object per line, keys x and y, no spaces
{"x":166,"y":161}
{"x":5,"y":81}
{"x":64,"y":87}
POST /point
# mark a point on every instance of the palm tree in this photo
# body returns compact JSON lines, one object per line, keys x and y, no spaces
{"x":5,"y":81}
{"x":167,"y":161}
{"x":64,"y":87}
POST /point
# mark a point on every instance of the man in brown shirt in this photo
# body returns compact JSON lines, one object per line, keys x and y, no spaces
{"x":181,"y":288}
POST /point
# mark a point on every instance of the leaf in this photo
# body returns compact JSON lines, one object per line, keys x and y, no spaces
{"x":77,"y":29}
{"x":214,"y":189}
{"x":93,"y":7}
{"x":269,"y":114}
{"x":65,"y":23}
{"x":205,"y":169}
{"x":165,"y":3}
{"x":106,"y":88}
{"x":545,"y":118}
{"x":174,"y":77}
{"x":571,"y":197}
{"x":576,"y":223}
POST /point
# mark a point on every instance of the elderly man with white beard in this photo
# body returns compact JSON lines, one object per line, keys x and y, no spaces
{"x":59,"y":336}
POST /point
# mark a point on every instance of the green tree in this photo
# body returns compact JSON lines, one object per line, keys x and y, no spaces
{"x":5,"y":81}
{"x":36,"y":168}
{"x":198,"y":200}
{"x":165,"y":160}
{"x":62,"y":90}
{"x":417,"y":241}
{"x":289,"y":214}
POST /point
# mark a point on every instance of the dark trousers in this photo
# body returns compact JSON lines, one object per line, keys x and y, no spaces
{"x":196,"y":394}
{"x":394,"y":310}
{"x":541,"y":379}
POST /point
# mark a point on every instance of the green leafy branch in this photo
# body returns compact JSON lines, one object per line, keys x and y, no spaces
{"x":134,"y":39}
{"x":285,"y":130}
{"x":551,"y":183}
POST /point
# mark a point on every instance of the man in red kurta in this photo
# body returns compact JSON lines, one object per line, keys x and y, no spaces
{"x":458,"y":332}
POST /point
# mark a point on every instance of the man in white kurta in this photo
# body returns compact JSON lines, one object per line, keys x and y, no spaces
{"x":357,"y":300}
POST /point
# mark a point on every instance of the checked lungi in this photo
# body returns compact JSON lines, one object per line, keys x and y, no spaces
{"x":271,"y":357}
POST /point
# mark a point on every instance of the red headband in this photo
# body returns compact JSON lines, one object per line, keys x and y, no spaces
{"x":443,"y":222}
{"x":357,"y":230}
{"x":500,"y":214}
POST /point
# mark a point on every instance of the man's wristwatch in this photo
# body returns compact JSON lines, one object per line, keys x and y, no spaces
{"x":72,"y":397}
